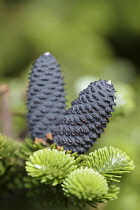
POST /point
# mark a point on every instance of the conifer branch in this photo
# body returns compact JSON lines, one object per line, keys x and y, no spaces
{"x":85,"y":184}
{"x":7,"y":146}
{"x":50,"y":166}
{"x":110,"y":162}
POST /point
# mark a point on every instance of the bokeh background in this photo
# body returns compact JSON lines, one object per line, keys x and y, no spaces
{"x":91,"y":40}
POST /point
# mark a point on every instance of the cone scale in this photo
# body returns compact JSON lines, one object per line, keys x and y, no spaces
{"x":46,"y":97}
{"x":84,"y":122}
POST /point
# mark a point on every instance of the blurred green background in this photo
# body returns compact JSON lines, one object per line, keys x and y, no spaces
{"x":90,"y":39}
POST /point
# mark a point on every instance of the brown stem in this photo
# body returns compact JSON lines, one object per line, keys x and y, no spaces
{"x":5,"y":115}
{"x":39,"y":140}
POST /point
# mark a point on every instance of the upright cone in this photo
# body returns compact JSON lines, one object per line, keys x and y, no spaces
{"x":84,"y":122}
{"x":46,"y":97}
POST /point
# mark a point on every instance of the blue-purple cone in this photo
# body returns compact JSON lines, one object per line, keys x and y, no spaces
{"x":84,"y":122}
{"x":46,"y":96}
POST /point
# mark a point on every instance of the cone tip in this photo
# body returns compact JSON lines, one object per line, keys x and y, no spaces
{"x":47,"y":53}
{"x":109,"y":82}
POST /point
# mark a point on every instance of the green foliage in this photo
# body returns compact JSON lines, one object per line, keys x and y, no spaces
{"x":7,"y":149}
{"x":50,"y":166}
{"x":7,"y":146}
{"x":12,"y":171}
{"x":85,"y":184}
{"x":86,"y":179}
{"x":27,"y":147}
{"x":80,"y":179}
{"x":113,"y":191}
{"x":110,"y":162}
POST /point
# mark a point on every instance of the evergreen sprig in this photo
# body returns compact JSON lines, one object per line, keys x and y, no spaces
{"x":50,"y":166}
{"x":110,"y":162}
{"x":85,"y":184}
{"x":7,"y":151}
{"x":89,"y":179}
{"x":27,"y":148}
{"x":7,"y":146}
{"x":112,"y":194}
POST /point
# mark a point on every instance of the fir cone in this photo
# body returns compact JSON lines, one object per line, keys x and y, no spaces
{"x":84,"y":122}
{"x":46,"y":97}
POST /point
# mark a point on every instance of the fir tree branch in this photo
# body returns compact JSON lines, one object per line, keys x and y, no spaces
{"x":7,"y":146}
{"x":110,"y":162}
{"x":50,"y":166}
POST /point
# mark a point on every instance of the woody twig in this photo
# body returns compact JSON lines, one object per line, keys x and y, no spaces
{"x":5,"y":115}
